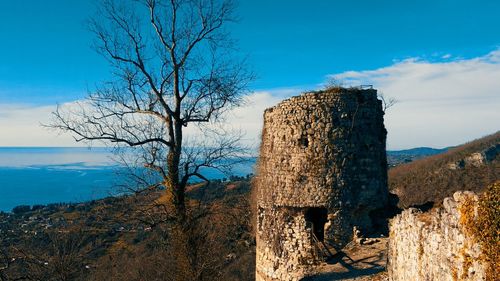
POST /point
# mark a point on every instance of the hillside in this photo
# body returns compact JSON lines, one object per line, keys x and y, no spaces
{"x":129,"y":238}
{"x":471,"y":166}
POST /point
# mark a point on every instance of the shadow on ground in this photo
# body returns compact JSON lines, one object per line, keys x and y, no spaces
{"x":341,"y":267}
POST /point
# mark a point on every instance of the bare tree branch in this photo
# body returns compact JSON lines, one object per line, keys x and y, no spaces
{"x":173,"y":65}
{"x":387,"y":102}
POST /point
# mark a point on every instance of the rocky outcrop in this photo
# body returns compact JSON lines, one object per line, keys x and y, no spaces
{"x":322,"y":170}
{"x":477,"y":159}
{"x":436,"y":245}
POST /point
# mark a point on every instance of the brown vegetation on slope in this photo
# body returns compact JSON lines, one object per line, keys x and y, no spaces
{"x":433,"y":178}
{"x":130,"y":238}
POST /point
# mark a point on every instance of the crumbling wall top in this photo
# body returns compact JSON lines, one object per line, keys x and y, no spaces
{"x":324,"y":95}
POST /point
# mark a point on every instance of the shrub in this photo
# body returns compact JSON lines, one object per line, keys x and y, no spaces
{"x":37,"y":207}
{"x":21,"y":209}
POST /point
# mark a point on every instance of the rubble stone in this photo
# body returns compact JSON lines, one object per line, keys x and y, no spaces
{"x":435,"y":245}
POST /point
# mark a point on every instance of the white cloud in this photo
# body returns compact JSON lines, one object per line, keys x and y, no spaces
{"x":440,"y":103}
{"x":248,"y":118}
{"x":20,"y":125}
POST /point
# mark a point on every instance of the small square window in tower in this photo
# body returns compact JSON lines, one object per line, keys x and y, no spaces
{"x":316,"y":219}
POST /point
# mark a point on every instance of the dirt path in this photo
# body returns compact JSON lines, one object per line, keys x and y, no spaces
{"x":358,"y":262}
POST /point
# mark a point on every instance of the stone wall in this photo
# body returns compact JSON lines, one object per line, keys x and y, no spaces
{"x":322,"y":153}
{"x":435,"y":245}
{"x":285,"y":251}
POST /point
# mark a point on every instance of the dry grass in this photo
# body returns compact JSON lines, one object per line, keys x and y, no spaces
{"x":427,"y":217}
{"x":430,"y":180}
{"x":485,"y":227}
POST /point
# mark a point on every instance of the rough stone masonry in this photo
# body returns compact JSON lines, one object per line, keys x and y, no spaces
{"x":435,"y":245}
{"x":322,"y":170}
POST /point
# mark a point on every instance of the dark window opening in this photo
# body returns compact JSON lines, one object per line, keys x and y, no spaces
{"x":317,"y":217}
{"x":304,"y":142}
{"x":302,"y":179}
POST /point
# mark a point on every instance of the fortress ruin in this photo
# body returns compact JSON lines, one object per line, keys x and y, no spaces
{"x":322,"y":171}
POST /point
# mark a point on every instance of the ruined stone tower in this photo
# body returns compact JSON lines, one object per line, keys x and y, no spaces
{"x":322,"y":170}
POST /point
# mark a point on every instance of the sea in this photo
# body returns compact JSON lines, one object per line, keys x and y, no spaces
{"x":45,"y":175}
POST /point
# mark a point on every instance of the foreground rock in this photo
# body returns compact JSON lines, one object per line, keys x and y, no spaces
{"x":436,"y":245}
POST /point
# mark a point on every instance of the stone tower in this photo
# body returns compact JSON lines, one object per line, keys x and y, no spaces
{"x":322,"y":170}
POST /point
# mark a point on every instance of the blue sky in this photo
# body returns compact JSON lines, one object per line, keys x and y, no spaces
{"x":299,"y":42}
{"x":45,"y":58}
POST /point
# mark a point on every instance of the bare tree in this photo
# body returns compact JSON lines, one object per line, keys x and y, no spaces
{"x":387,"y":102}
{"x":173,"y":67}
{"x":333,"y":83}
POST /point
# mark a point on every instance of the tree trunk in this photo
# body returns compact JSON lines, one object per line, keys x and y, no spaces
{"x":174,"y":186}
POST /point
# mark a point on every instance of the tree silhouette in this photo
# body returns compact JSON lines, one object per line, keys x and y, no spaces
{"x":173,"y":66}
